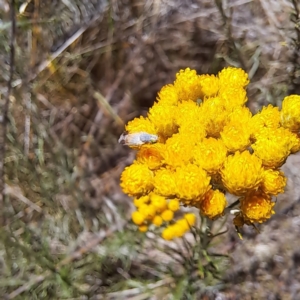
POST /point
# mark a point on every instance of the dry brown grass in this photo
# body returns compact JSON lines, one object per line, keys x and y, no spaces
{"x":83,"y":69}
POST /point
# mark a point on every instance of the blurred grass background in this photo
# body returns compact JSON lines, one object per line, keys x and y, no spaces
{"x":82,"y":70}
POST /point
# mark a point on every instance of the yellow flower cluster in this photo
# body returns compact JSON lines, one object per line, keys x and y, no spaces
{"x":200,"y":141}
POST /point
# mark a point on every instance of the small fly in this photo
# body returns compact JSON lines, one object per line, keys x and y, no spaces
{"x":137,"y":138}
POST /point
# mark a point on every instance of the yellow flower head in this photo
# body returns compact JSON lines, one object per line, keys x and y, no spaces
{"x":295,"y":141}
{"x":187,"y":112}
{"x":188,"y":85}
{"x":157,"y":221}
{"x":138,"y":218}
{"x":143,"y":228}
{"x":165,"y":182}
{"x":257,"y":206}
{"x":168,"y":95}
{"x":210,"y":155}
{"x":140,"y":124}
{"x":290,"y":113}
{"x":137,"y":180}
{"x":194,"y":131}
{"x":148,"y":210}
{"x":232,"y":96}
{"x":209,"y":85}
{"x":168,"y":233}
{"x":151,"y":155}
{"x":236,"y":136}
{"x":273,"y":182}
{"x":180,"y":227}
{"x":178,"y":150}
{"x":213,"y":204}
{"x":192,"y":182}
{"x":159,"y":202}
{"x":240,"y":114}
{"x":213,"y":116}
{"x":233,"y":77}
{"x":242,"y":172}
{"x":174,"y":205}
{"x":167,"y":215}
{"x":142,"y":200}
{"x":273,"y":146}
{"x":190,"y":219}
{"x":268,"y":117}
{"x":162,"y":116}
{"x":236,"y":132}
{"x":188,"y":119}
